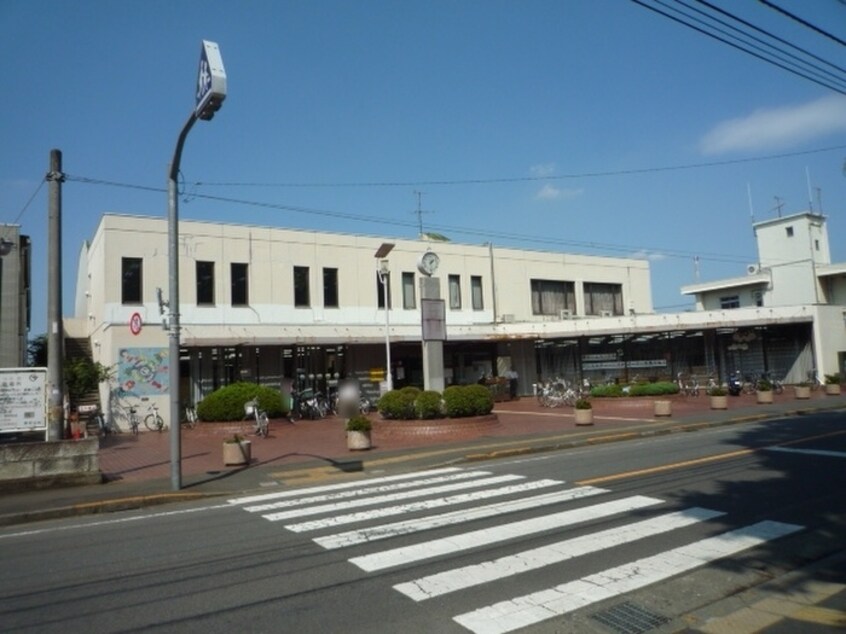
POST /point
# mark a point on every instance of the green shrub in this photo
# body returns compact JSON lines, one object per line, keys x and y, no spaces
{"x":832,"y":379}
{"x":661,"y":388}
{"x":359,"y":422}
{"x":227,"y":403}
{"x":398,"y":404}
{"x":764,"y":386}
{"x":717,"y":390}
{"x":467,"y":400}
{"x":611,"y":389}
{"x":583,"y":403}
{"x":429,"y":404}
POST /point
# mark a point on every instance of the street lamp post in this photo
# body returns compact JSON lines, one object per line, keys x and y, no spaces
{"x":211,"y":91}
{"x":384,"y":272}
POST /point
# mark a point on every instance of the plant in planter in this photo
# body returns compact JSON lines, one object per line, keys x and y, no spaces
{"x":802,"y":390}
{"x":237,"y":451}
{"x":358,"y":432}
{"x":764,"y":390}
{"x":718,"y":396}
{"x":832,"y":384}
{"x":583,"y":412}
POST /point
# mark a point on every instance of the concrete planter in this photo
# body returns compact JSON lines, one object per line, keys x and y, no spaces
{"x":583,"y":416}
{"x":765,"y":397}
{"x":802,"y":392}
{"x":719,"y":401}
{"x":832,"y":389}
{"x":358,"y":440}
{"x":237,"y":453}
{"x":663,"y":408}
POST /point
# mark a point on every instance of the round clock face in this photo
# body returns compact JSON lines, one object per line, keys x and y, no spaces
{"x":428,"y":263}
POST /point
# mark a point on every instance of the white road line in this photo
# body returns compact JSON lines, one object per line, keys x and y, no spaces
{"x":341,"y":485}
{"x":365,"y":490}
{"x":390,"y":497}
{"x":473,"y":539}
{"x":810,"y":452}
{"x":519,"y":612}
{"x":477,"y":574}
{"x":422,"y":505}
{"x":373,"y":533}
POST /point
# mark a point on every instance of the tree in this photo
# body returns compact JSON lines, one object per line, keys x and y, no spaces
{"x":36,"y":352}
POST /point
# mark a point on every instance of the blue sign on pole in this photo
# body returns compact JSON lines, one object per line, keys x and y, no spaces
{"x":211,"y":81}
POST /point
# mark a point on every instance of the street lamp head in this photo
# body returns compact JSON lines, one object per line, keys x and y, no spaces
{"x":383,"y":251}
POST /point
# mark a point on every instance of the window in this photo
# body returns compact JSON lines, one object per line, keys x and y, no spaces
{"x":789,"y":231}
{"x":732,"y":301}
{"x":816,"y":245}
{"x":302,"y":297}
{"x":131,"y":269}
{"x":205,"y":283}
{"x":758,"y":297}
{"x":476,"y":292}
{"x":550,"y":297}
{"x":330,"y":288}
{"x":408,"y":300}
{"x":603,"y":299}
{"x":240,"y":287}
{"x":455,"y":292}
{"x":380,"y":291}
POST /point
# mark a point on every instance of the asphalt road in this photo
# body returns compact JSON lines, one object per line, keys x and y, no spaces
{"x":638,"y":533}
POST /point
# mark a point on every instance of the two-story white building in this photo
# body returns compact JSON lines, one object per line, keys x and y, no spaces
{"x":275,"y":305}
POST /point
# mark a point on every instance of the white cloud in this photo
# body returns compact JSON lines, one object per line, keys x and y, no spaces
{"x":778,"y":127}
{"x":652,"y":256}
{"x":543,"y":170}
{"x":550,"y":192}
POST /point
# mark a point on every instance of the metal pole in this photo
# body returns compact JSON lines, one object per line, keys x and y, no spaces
{"x":173,"y":308}
{"x":55,"y":343}
{"x":388,"y":377}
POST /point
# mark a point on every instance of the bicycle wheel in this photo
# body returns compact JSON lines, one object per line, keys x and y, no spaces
{"x":262,"y":424}
{"x":154,"y":422}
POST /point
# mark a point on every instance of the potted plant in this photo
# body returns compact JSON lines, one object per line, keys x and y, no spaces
{"x":802,"y":390}
{"x":719,"y":397}
{"x":663,"y":408}
{"x":832,"y":384}
{"x":358,"y":432}
{"x":237,"y":451}
{"x":764,"y":391}
{"x":583,"y":412}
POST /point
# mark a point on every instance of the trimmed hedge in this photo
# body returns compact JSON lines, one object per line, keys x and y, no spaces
{"x":607,"y":390}
{"x":227,"y":403}
{"x":410,"y":403}
{"x":661,"y":388}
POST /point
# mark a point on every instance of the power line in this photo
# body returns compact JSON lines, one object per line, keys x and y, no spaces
{"x":803,"y":22}
{"x":521,"y":179}
{"x":28,"y":202}
{"x":739,"y":45}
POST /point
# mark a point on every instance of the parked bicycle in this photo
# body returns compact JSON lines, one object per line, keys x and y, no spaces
{"x":251,"y":408}
{"x":190,"y":418}
{"x":153,"y":421}
{"x":688,"y":385}
{"x":778,"y":386}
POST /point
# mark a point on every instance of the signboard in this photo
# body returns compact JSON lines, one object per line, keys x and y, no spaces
{"x":211,"y":81}
{"x":135,"y":323}
{"x":433,"y":312}
{"x":23,"y":399}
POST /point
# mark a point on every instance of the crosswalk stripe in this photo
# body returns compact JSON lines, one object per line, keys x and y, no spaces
{"x":473,"y":539}
{"x":421,"y":505}
{"x":519,"y":612}
{"x":390,"y":497}
{"x":384,"y":531}
{"x":365,"y":491}
{"x":477,"y":574}
{"x":250,"y":499}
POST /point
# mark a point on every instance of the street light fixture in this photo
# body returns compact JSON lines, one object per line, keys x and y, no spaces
{"x":384,"y":274}
{"x":211,"y":91}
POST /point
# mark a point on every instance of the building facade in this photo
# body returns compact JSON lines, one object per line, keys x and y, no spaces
{"x":284,"y":307}
{"x":15,"y":296}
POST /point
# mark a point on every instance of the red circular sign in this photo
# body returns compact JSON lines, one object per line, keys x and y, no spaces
{"x":135,"y":323}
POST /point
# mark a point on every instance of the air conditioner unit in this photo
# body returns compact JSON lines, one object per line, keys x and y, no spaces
{"x":752,"y":269}
{"x":565,"y":313}
{"x":606,"y":313}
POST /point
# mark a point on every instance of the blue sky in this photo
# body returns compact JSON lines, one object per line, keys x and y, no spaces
{"x":587,"y":126}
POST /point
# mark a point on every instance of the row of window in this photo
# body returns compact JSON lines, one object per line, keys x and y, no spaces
{"x":132,"y":273}
{"x":555,"y":298}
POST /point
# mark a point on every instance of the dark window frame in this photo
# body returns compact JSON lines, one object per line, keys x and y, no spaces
{"x":330,"y":288}
{"x":204,"y":278}
{"x":132,"y":281}
{"x":302,"y":293}
{"x":409,"y":294}
{"x":239,"y":283}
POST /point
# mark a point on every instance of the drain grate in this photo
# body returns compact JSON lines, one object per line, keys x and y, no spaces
{"x":628,"y":618}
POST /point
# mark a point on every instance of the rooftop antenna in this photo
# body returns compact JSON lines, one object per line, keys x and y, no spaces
{"x":749,"y":196}
{"x":810,"y":198}
{"x":779,"y":205}
{"x":696,"y":267}
{"x":420,"y":211}
{"x":819,"y":199}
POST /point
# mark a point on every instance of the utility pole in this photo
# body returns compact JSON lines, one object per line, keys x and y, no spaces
{"x":55,"y":334}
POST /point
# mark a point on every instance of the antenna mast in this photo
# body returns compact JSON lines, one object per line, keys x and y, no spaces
{"x":419,"y":212}
{"x":779,"y":205}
